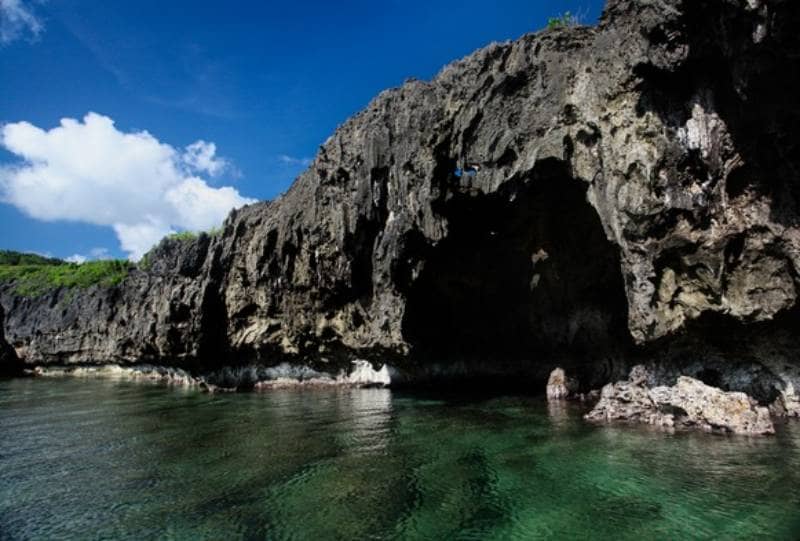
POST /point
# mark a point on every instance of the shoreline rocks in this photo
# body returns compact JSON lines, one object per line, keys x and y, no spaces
{"x":626,"y":402}
{"x":712,"y":409}
{"x":143,"y":373}
{"x":258,"y":378}
{"x":689,"y":404}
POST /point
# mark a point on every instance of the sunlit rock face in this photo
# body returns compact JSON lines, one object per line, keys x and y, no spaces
{"x":637,"y":186}
{"x":689,"y":403}
{"x":163,"y":313}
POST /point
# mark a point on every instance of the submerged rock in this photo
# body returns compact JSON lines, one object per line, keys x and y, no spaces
{"x":688,"y":404}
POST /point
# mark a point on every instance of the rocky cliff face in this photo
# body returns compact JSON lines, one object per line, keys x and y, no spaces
{"x":9,"y":363}
{"x":162,"y":313}
{"x":637,"y":195}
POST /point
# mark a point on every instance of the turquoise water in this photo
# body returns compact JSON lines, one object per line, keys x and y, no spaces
{"x":90,"y":459}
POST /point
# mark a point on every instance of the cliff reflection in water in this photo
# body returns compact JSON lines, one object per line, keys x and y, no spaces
{"x":109,"y":459}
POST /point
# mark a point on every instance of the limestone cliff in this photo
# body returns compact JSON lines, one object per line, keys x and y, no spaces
{"x":637,"y":195}
{"x":9,"y":363}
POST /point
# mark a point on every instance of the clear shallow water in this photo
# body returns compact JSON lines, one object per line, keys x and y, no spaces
{"x":103,"y":460}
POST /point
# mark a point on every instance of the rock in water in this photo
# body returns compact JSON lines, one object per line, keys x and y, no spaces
{"x":688,"y":404}
{"x":559,"y":387}
{"x":711,"y":409}
{"x":627,"y":402}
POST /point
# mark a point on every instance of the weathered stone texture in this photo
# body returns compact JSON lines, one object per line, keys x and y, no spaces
{"x":636,"y":177}
{"x":688,"y":404}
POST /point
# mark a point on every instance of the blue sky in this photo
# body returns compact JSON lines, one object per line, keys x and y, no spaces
{"x":265,"y":82}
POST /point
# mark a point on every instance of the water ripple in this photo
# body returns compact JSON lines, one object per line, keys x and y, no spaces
{"x":93,"y":459}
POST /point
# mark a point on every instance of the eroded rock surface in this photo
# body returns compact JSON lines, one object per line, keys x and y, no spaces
{"x":166,"y":312}
{"x":638,"y":178}
{"x":711,"y":409}
{"x":626,"y":402}
{"x":559,"y":386}
{"x":688,"y":404}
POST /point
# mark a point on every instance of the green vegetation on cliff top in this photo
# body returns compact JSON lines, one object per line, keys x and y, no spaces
{"x":192,"y":235}
{"x":33,"y":275}
{"x":564,"y":20}
{"x":181,"y":236}
{"x":9,"y":257}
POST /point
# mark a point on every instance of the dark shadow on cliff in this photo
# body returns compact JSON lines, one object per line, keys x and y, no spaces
{"x":525,"y":274}
{"x":751,"y":84}
{"x":733,"y":355}
{"x":10,"y":365}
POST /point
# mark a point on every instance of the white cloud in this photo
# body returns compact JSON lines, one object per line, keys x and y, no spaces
{"x":201,"y":157}
{"x":89,"y":171}
{"x":95,"y":254}
{"x":295,"y":162}
{"x":16,"y":19}
{"x":76,"y":258}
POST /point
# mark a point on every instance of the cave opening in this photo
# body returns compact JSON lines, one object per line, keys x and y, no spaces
{"x":731,"y":354}
{"x":523,"y":273}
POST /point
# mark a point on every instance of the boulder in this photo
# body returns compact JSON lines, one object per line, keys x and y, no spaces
{"x":711,"y":409}
{"x":627,"y":402}
{"x":559,"y":386}
{"x":690,"y":403}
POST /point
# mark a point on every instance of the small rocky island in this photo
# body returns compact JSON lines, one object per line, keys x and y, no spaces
{"x":635,"y":204}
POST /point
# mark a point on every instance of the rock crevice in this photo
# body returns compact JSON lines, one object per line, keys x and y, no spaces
{"x":9,"y":363}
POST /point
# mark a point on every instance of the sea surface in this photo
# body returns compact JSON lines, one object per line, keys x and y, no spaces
{"x":95,"y":459}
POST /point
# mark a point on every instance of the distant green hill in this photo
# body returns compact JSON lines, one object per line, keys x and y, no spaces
{"x":33,"y":275}
{"x":10,"y":257}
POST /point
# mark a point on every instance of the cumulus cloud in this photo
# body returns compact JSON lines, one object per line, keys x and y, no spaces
{"x":202,"y":158}
{"x":96,"y":254}
{"x":76,"y":258}
{"x":89,"y":171}
{"x":17,"y":19}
